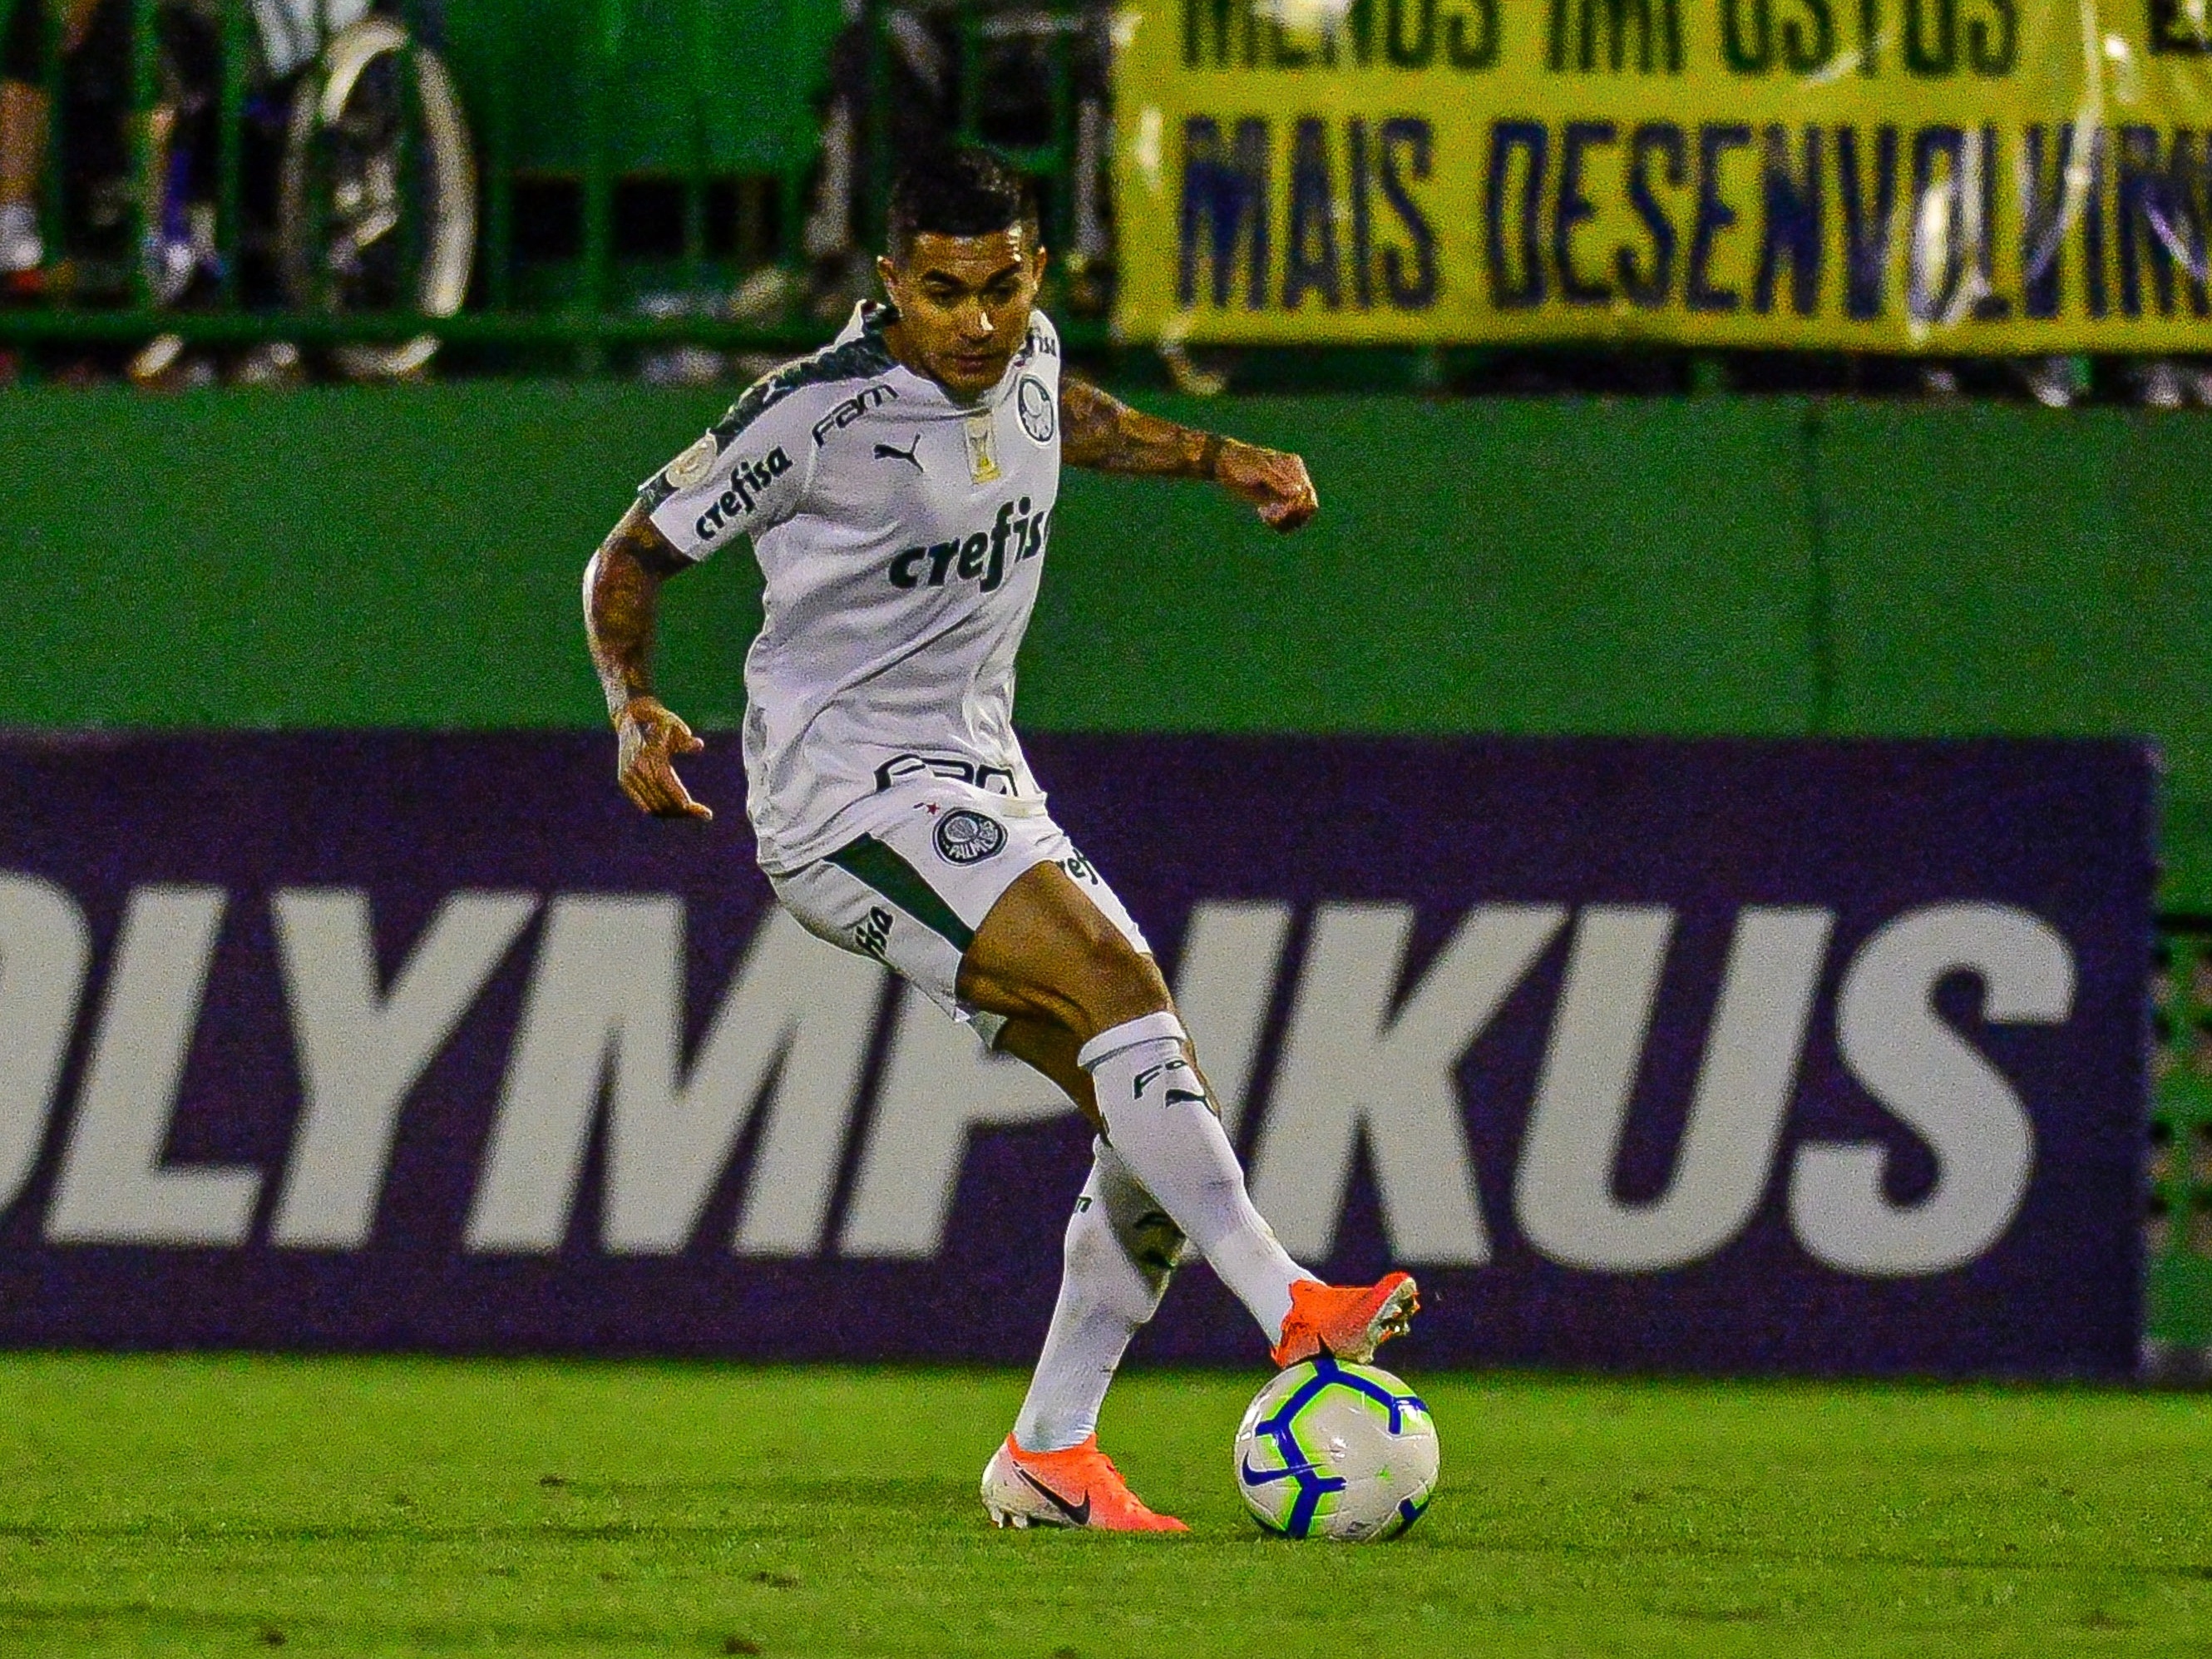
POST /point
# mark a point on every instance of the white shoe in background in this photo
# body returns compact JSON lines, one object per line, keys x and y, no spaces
{"x":2158,"y":384}
{"x":21,"y":248}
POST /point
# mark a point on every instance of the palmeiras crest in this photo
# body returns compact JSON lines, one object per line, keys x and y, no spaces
{"x":965,"y":837}
{"x":1033,"y":398}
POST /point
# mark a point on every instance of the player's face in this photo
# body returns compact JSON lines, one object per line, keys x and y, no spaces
{"x":965,"y":304}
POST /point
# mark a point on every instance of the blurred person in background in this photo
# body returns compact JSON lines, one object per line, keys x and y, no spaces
{"x":23,"y":117}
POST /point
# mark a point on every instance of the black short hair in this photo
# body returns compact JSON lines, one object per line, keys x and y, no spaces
{"x":960,"y":192}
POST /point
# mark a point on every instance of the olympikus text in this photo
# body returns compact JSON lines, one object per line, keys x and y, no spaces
{"x":1368,"y":1053}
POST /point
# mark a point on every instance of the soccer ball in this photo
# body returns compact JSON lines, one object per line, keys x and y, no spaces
{"x":1332,"y":1451}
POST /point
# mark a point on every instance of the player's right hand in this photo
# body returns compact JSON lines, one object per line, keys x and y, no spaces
{"x":1276,"y":483}
{"x":651,"y":737}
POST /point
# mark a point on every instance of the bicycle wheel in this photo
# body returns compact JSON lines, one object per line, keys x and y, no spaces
{"x":377,"y":197}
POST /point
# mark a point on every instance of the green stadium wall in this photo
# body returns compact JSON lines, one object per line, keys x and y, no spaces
{"x":409,"y":558}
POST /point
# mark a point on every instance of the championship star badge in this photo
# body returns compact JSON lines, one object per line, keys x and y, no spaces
{"x":982,"y":446}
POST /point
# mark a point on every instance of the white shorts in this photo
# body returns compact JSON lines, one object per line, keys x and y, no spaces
{"x":912,"y":889}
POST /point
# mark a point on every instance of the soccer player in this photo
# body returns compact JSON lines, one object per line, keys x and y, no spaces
{"x":898,"y":489}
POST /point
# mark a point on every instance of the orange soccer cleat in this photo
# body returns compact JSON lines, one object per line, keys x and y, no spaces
{"x":1348,"y":1320}
{"x":1077,"y":1487}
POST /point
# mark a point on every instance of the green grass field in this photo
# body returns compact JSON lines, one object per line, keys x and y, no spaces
{"x":362,"y":1507}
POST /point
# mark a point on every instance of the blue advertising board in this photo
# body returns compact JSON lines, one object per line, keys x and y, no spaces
{"x":1795,"y":1056}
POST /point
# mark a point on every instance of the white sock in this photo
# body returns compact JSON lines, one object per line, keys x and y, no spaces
{"x":1120,"y":1252}
{"x":1158,"y":1119}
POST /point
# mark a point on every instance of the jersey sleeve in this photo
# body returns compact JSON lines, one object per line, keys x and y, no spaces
{"x":1043,"y":345}
{"x":747,"y":473}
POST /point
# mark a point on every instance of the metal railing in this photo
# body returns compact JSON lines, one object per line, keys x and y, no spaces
{"x":662,"y":174}
{"x":615,"y":173}
{"x":2178,"y":1225}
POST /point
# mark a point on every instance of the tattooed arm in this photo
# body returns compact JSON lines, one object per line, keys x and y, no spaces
{"x":622,"y":604}
{"x":1107,"y":435}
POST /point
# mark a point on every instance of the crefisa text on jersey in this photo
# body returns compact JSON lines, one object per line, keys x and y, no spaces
{"x":983,"y":554}
{"x":746,"y":479}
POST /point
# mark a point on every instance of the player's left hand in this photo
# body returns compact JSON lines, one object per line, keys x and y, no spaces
{"x":1272,"y":481}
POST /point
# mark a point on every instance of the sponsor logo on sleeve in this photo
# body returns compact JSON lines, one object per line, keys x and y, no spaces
{"x":747,"y":480}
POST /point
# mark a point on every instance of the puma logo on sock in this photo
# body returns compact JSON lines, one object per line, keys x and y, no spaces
{"x":1152,"y":1073}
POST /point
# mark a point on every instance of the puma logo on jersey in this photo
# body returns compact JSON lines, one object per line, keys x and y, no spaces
{"x":887,"y":452}
{"x":746,"y":481}
{"x":1014,"y":535}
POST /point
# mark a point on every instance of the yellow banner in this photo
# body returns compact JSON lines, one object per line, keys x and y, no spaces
{"x":1954,"y":176}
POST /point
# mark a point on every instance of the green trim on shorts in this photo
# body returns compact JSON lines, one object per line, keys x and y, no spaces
{"x":868,"y":859}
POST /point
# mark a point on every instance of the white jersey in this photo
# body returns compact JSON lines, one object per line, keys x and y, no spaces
{"x":901,"y":536}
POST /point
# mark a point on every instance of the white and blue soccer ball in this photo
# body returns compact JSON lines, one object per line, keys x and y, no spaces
{"x":1333,"y":1450}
